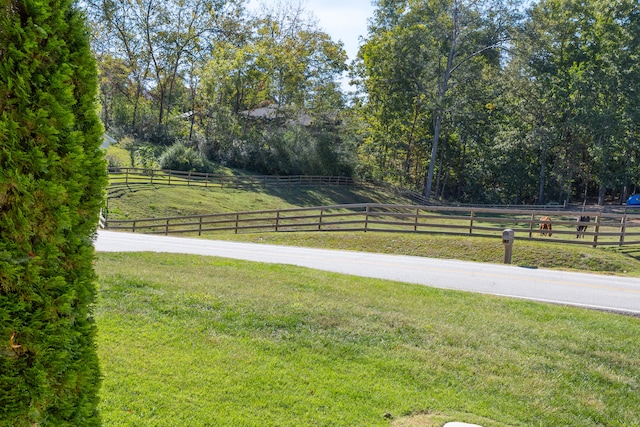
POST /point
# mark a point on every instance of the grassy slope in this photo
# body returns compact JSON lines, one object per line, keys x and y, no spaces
{"x":158,"y":201}
{"x":187,"y":340}
{"x":163,"y":201}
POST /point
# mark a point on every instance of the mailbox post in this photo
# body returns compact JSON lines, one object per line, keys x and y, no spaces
{"x":507,"y":241}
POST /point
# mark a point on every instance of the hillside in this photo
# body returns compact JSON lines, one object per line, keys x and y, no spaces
{"x":158,"y":201}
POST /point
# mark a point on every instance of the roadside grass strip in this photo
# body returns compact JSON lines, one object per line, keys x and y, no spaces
{"x":200,"y":341}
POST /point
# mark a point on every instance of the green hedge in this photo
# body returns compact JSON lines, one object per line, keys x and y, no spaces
{"x":52,"y":181}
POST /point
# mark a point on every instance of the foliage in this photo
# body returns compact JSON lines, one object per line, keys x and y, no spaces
{"x":130,"y":145}
{"x":573,"y":98}
{"x":157,"y":42}
{"x":113,"y":162}
{"x":181,"y":158}
{"x":118,"y":156}
{"x":197,"y":79}
{"x":552,"y":120}
{"x":52,"y":179}
{"x":494,"y":101}
{"x":273,"y":100}
{"x":422,"y":67}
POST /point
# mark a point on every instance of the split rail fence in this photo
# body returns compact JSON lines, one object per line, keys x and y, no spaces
{"x":604,"y":228}
{"x":133,"y":176}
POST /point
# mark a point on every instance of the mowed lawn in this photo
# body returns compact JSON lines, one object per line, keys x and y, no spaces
{"x":197,"y":341}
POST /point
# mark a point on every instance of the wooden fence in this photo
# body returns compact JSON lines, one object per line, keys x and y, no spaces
{"x":132,"y":176}
{"x":604,"y":228}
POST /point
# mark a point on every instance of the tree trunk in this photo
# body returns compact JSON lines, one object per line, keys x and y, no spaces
{"x":434,"y":154}
{"x":543,"y":173}
{"x":601,"y":194}
{"x":442,"y":92}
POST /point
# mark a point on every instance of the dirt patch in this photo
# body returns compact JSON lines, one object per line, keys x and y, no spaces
{"x":422,"y":420}
{"x":427,"y":419}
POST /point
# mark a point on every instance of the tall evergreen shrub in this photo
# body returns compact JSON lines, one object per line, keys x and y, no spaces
{"x":52,"y":179}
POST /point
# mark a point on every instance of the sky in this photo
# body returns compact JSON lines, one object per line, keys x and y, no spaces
{"x":344,"y":20}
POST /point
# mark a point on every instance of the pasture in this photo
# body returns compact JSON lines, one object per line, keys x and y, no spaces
{"x":170,"y":202}
{"x":609,"y":229}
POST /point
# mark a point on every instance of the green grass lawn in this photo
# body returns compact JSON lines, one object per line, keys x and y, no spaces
{"x":159,"y":201}
{"x":610,"y":260}
{"x":197,"y":341}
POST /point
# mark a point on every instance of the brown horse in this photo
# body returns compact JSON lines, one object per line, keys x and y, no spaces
{"x":545,"y":226}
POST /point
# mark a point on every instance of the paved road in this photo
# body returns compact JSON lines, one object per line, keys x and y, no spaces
{"x":619,"y":294}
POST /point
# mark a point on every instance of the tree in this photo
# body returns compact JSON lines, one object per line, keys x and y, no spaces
{"x":609,"y":104}
{"x":578,"y":97}
{"x":52,"y":180}
{"x":416,"y":53}
{"x":159,"y":43}
{"x":270,"y":99}
{"x":124,"y":63}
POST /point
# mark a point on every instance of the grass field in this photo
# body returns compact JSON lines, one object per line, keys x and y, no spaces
{"x":186,"y":340}
{"x":196,"y":341}
{"x":611,"y":260}
{"x":158,"y":201}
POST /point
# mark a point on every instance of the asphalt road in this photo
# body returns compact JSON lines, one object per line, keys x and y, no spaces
{"x":619,"y":294}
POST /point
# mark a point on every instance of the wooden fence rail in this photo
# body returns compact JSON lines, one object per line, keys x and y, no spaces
{"x":132,"y":176}
{"x":124,"y":177}
{"x":604,"y":229}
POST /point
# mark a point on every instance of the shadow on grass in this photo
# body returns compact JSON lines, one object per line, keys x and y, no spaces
{"x":314,"y":196}
{"x":631,"y":252}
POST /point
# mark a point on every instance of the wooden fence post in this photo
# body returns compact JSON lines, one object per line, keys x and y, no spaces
{"x":320,"y":220}
{"x":126,"y":177}
{"x":277,"y":220}
{"x":366,"y":219}
{"x":133,"y":230}
{"x":533,"y":218}
{"x":623,"y":229}
{"x":200,"y":226}
{"x":166,"y":228}
{"x":595,"y":236}
{"x":237,"y":220}
{"x":471,"y":223}
{"x":415,"y":222}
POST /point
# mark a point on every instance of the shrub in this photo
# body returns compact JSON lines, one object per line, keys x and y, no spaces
{"x":182,"y":158}
{"x":52,"y":181}
{"x":113,"y":163}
